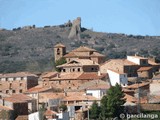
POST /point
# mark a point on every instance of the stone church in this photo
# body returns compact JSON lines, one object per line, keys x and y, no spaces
{"x":80,"y":53}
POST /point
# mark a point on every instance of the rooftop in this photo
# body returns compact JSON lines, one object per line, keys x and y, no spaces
{"x":79,"y":62}
{"x":77,"y":97}
{"x":144,"y":69}
{"x":18,"y":98}
{"x":135,"y":86}
{"x":49,"y":74}
{"x":98,"y":87}
{"x":83,"y":52}
{"x":18,"y":74}
{"x":59,"y":45}
{"x":50,"y":113}
{"x":123,"y":62}
{"x":37,"y":89}
{"x":84,"y":49}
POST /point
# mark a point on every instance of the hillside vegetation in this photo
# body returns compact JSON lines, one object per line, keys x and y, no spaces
{"x":32,"y":49}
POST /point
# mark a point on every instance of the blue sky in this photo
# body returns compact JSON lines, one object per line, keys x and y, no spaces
{"x":137,"y":17}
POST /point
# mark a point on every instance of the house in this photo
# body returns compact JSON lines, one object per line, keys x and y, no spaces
{"x":145,"y":72}
{"x":79,"y":65}
{"x":97,"y":91}
{"x":81,"y":53}
{"x":117,"y":77}
{"x":19,"y":101}
{"x":47,"y":76}
{"x":154,"y":85}
{"x":15,"y":83}
{"x":52,"y":115}
{"x":133,"y":66}
{"x":72,"y":80}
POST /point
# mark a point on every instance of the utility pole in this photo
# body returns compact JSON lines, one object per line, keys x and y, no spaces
{"x":138,"y":107}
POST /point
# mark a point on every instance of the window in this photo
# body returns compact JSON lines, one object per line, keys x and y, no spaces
{"x":69,"y":81}
{"x":6,"y":79}
{"x":13,"y":91}
{"x":73,"y":69}
{"x":92,"y":69}
{"x":7,"y":91}
{"x":20,"y":91}
{"x":58,"y":51}
{"x":22,"y":78}
{"x":78,"y":69}
{"x":144,"y":62}
{"x":20,"y":84}
{"x":64,"y":70}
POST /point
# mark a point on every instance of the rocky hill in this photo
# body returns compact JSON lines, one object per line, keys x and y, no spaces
{"x":31,"y":49}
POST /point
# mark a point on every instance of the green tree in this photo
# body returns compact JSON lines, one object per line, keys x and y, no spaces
{"x":63,"y":107}
{"x":41,"y":112}
{"x":112,"y":103}
{"x":104,"y":111}
{"x":115,"y":101}
{"x":59,"y":62}
{"x":94,"y":111}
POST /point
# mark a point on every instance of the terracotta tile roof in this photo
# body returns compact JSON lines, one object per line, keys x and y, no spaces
{"x":18,"y":74}
{"x":130,"y":98}
{"x":135,"y":86}
{"x":79,"y":62}
{"x":50,"y":113}
{"x":18,"y":98}
{"x":90,"y":75}
{"x":86,"y":85}
{"x":67,"y":76}
{"x":96,"y":54}
{"x":118,"y":72}
{"x":5,"y":108}
{"x":78,"y":97}
{"x":153,"y":63}
{"x":83,"y":52}
{"x":43,"y":97}
{"x":71,"y":54}
{"x":99,"y":87}
{"x":144,"y":69}
{"x":122,"y":62}
{"x":84,"y":49}
{"x":49,"y":74}
{"x":59,"y":45}
{"x":37,"y":89}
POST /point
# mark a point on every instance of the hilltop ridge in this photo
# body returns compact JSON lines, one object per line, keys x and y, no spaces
{"x":31,"y":48}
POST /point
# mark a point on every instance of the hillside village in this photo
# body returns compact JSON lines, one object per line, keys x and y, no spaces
{"x":84,"y":75}
{"x":83,"y":79}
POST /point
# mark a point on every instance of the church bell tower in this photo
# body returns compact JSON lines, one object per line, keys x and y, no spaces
{"x":59,"y":51}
